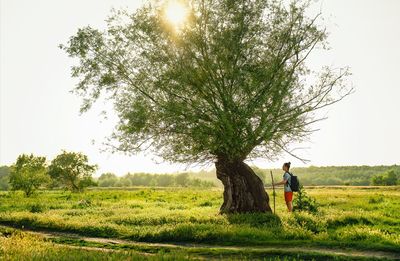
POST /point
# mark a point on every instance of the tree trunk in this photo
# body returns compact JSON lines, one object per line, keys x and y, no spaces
{"x":243,"y":190}
{"x":74,"y":187}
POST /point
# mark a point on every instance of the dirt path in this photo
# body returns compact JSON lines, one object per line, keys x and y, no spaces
{"x":114,"y":243}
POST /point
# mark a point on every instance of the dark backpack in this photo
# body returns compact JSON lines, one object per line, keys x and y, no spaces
{"x":294,"y":183}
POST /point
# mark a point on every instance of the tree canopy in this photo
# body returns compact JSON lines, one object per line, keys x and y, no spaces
{"x":225,"y":82}
{"x":72,"y":170}
{"x":28,"y":173}
{"x":231,"y":82}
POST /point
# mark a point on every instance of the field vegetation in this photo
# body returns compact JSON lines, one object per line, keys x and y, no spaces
{"x":347,"y":218}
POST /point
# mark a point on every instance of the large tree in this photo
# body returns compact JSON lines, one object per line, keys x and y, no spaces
{"x":228,"y":83}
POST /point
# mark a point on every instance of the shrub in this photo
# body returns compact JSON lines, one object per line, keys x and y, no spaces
{"x":303,"y":202}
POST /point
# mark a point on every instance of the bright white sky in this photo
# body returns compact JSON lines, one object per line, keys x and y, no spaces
{"x":38,"y":114}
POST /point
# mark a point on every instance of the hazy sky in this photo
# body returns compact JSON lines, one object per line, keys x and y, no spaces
{"x":38,"y":114}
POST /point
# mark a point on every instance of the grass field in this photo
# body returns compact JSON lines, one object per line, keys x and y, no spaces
{"x":349,"y":219}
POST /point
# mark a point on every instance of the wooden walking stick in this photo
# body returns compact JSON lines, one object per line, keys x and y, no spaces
{"x":273,"y":189}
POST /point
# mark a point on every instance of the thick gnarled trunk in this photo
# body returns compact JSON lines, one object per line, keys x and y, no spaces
{"x":243,"y":189}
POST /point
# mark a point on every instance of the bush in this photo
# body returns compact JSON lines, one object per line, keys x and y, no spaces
{"x":303,"y":202}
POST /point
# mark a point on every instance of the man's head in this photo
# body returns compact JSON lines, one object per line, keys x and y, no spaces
{"x":286,"y":166}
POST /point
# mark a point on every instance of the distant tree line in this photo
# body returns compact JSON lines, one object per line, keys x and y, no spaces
{"x":323,"y":176}
{"x":389,"y":178}
{"x":158,"y":180}
{"x":71,"y":170}
{"x":337,"y":175}
{"x":346,"y":175}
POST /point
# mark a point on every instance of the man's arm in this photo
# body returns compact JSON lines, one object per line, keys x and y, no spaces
{"x":281,"y":182}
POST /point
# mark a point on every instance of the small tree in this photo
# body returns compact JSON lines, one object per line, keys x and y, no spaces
{"x":28,"y":173}
{"x":72,"y":170}
{"x":304,"y":202}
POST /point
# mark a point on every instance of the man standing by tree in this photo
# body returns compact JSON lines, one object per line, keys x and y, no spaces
{"x":287,"y":190}
{"x":225,"y":82}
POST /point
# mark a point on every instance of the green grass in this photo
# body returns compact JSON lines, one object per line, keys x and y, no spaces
{"x":358,"y":218}
{"x":17,"y":245}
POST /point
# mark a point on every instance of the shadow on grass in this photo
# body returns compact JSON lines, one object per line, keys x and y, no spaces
{"x":255,"y":219}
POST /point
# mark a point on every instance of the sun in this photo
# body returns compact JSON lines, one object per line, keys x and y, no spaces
{"x":176,"y":13}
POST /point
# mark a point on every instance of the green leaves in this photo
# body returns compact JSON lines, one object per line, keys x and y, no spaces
{"x":72,"y":170}
{"x":389,"y":178}
{"x":233,"y":82}
{"x":303,"y":202}
{"x":28,"y":173}
{"x":69,"y":169}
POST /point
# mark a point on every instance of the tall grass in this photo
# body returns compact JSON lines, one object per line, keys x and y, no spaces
{"x":349,"y":217}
